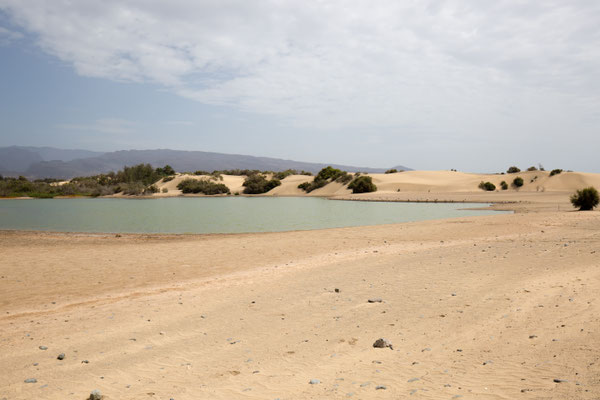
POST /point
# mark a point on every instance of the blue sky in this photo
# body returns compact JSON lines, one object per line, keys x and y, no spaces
{"x":463,"y":84}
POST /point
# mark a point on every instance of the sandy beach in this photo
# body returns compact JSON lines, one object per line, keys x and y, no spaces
{"x":496,"y":307}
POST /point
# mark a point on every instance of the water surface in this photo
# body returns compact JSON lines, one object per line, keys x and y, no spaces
{"x":215,"y":214}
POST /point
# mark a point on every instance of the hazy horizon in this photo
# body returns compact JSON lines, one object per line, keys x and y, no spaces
{"x":464,"y":84}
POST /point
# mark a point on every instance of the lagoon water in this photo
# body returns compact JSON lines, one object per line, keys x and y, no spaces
{"x":215,"y":214}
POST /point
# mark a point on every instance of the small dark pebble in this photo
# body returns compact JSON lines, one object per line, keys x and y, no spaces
{"x":380,"y":387}
{"x":61,"y":356}
{"x":560,"y":380}
{"x":43,"y":348}
{"x":31,"y":380}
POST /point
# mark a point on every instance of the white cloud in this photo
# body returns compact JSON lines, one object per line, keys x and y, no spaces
{"x":456,"y":67}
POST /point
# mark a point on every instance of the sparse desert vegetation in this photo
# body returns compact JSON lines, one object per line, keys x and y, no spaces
{"x":585,"y":199}
{"x":487,"y":186}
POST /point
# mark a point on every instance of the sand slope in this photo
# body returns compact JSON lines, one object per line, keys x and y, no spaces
{"x":484,"y":308}
{"x":439,"y":182}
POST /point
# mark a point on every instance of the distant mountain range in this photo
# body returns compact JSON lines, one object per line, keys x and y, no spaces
{"x":48,"y":162}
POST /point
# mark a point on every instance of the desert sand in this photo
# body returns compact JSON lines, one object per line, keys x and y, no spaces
{"x":496,"y":307}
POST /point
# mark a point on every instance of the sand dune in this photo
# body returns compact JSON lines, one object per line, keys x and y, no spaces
{"x":485,"y":308}
{"x":438,"y":182}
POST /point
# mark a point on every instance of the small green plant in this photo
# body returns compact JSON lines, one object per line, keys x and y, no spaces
{"x":391,"y":171}
{"x":586,"y":199}
{"x":518,"y":182}
{"x":504,"y":185}
{"x":555,"y":172}
{"x":487,"y":186}
{"x":165,"y":190}
{"x":532,"y":168}
{"x":513,"y":170}
{"x":362,"y":184}
{"x":168,"y":178}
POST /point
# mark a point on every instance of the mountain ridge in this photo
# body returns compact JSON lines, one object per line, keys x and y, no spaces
{"x":34,"y":163}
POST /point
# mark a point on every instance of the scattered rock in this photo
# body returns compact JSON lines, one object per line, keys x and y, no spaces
{"x":85,"y":362}
{"x":314,"y":382}
{"x":337,"y":290}
{"x":95,"y":395}
{"x":31,"y":380}
{"x":560,"y":380}
{"x":43,"y":348}
{"x":375,"y":300}
{"x":61,"y":356}
{"x":532,"y":336}
{"x":380,"y":387}
{"x":413,"y":380}
{"x":382,"y":343}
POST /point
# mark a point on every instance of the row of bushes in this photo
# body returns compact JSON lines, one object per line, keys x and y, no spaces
{"x":249,"y":172}
{"x":515,"y":170}
{"x":490,"y":187}
{"x":357,"y":183}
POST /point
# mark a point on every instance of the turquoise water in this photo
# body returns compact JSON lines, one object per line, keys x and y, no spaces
{"x":215,"y":215}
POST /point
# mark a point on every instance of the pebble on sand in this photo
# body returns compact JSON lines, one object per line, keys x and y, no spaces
{"x":380,"y":387}
{"x":95,"y":395}
{"x":375,"y":300}
{"x":314,"y":382}
{"x":43,"y":348}
{"x":382,"y":343}
{"x":31,"y":380}
{"x":61,"y":356}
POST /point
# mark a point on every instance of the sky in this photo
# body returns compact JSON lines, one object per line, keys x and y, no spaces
{"x":465,"y":84}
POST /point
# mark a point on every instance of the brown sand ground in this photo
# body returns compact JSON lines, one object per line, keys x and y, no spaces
{"x":490,"y":307}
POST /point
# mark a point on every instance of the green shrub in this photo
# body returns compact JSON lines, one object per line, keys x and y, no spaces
{"x":200,"y":172}
{"x":555,"y":172}
{"x":329,"y":173}
{"x":306,"y":173}
{"x":586,"y":199}
{"x":344,"y":178}
{"x":513,"y":170}
{"x":487,"y":186}
{"x":391,"y":171}
{"x":518,"y":182}
{"x":504,"y":185}
{"x":284,"y":174}
{"x":165,"y":190}
{"x":168,"y":178}
{"x":362,"y":184}
{"x":532,"y":168}
{"x":202,"y":186}
{"x":257,"y":184}
{"x":166,"y":170}
{"x":151,"y":189}
{"x":131,"y":189}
